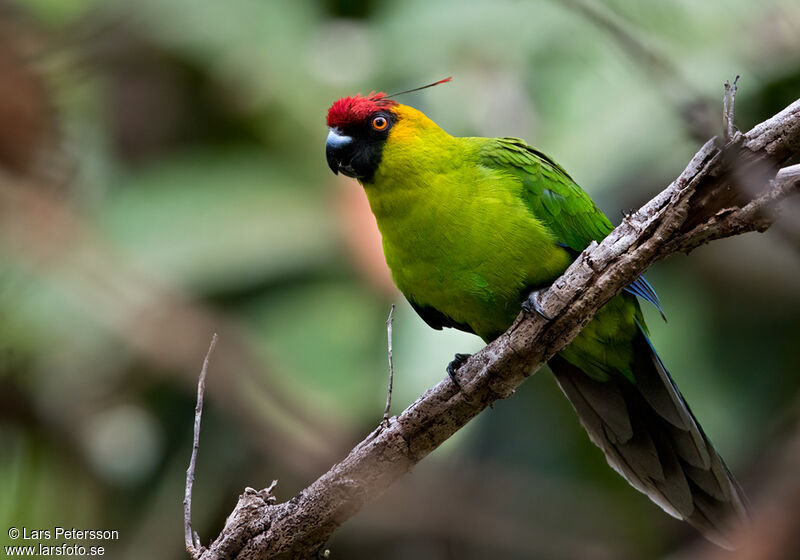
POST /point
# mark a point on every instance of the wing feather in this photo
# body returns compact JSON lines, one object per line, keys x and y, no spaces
{"x":556,"y":200}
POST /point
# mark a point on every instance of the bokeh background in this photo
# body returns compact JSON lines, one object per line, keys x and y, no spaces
{"x":163,"y":178}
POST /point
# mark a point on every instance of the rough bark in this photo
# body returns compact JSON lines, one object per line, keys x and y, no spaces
{"x":724,"y":191}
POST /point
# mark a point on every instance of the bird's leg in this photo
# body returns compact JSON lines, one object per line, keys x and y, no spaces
{"x":452,"y":368}
{"x":531,"y":305}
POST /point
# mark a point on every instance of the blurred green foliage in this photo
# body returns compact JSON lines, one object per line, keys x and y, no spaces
{"x":195,"y":130}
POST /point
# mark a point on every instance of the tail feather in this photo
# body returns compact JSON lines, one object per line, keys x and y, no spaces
{"x":661,"y":393}
{"x":650,"y":436}
{"x":709,"y":482}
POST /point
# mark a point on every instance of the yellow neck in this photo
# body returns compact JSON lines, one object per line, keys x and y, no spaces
{"x":416,"y":144}
{"x":416,"y":152}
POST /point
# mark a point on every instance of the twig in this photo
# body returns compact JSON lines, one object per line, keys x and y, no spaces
{"x":193,"y":546}
{"x":791,"y":172}
{"x":727,"y":108}
{"x":391,"y":368}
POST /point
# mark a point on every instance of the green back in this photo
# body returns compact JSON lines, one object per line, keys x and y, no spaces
{"x":550,"y":193}
{"x":573,"y":219}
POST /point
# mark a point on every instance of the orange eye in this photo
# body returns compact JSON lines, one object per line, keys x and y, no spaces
{"x":380,"y":123}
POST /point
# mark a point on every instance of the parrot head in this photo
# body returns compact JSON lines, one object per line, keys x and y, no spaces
{"x":359,"y":128}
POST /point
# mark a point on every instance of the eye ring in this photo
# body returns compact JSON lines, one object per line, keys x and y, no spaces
{"x":380,"y":123}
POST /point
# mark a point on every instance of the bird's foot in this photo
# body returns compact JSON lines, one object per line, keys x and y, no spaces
{"x":452,"y":368}
{"x":532,"y":305}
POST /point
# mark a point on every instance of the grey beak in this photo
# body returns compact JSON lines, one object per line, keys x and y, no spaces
{"x":334,"y":147}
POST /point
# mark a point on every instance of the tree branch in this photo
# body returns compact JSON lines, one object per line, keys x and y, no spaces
{"x":723,"y":191}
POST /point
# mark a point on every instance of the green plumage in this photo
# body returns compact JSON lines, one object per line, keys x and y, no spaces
{"x":470,"y":227}
{"x":571,"y":219}
{"x":550,"y":194}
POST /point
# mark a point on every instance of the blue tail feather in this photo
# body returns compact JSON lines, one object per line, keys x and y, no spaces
{"x":642,"y":288}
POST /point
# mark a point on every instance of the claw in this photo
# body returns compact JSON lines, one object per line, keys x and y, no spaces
{"x":452,"y":367}
{"x":532,"y":305}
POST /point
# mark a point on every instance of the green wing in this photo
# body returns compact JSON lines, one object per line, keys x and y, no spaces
{"x":555,"y":199}
{"x":550,"y":193}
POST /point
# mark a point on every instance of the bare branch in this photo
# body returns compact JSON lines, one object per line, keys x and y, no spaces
{"x":391,"y":368}
{"x":193,"y":546}
{"x":722,"y":192}
{"x":727,"y":108}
